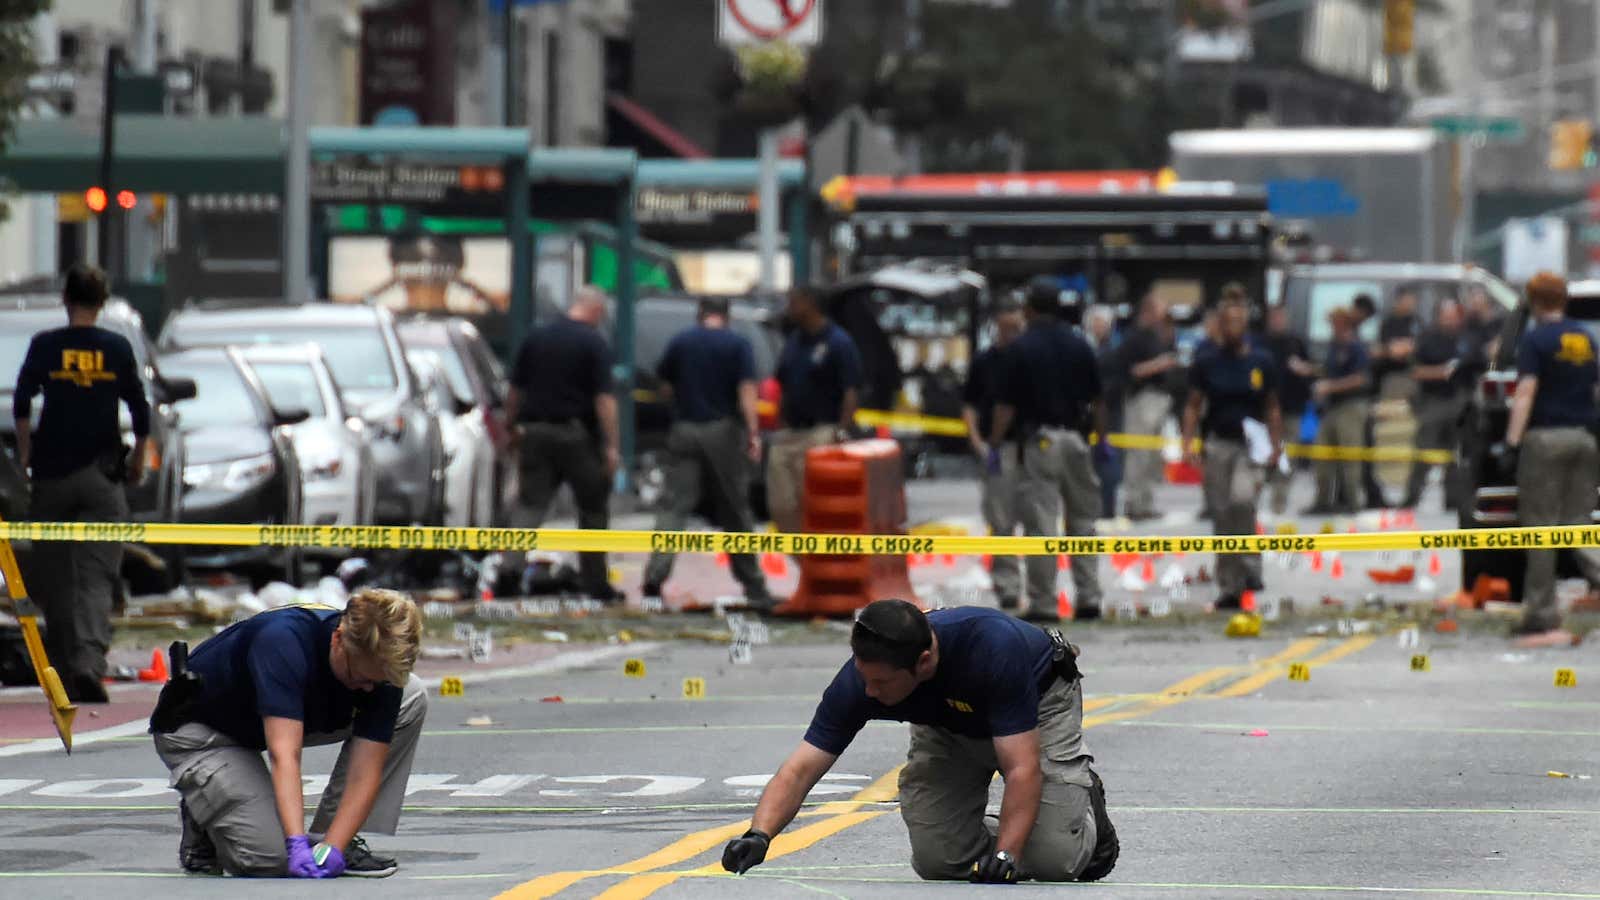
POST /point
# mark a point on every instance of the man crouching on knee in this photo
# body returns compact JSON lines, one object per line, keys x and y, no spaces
{"x":984,"y":693}
{"x":278,"y":682}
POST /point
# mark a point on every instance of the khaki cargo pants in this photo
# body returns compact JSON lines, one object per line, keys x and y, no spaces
{"x":1344,"y":424}
{"x":1232,"y":484}
{"x":1057,"y":469}
{"x":944,"y":790}
{"x":1000,"y":512}
{"x":786,"y":473}
{"x":1557,"y":473}
{"x":1146,"y":414}
{"x":228,"y":788}
{"x":708,"y":461}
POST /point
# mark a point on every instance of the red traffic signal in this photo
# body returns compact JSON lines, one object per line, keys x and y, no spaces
{"x":95,"y":198}
{"x":127,"y":199}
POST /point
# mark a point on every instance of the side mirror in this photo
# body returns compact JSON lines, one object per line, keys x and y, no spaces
{"x":174,"y":390}
{"x":290,"y":415}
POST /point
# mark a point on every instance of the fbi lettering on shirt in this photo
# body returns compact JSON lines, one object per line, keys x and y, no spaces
{"x":959,"y":705}
{"x":83,"y":368}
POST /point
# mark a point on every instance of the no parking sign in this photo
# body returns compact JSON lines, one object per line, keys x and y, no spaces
{"x":744,"y":22}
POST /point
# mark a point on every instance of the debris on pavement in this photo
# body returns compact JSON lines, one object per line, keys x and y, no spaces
{"x":479,"y":722}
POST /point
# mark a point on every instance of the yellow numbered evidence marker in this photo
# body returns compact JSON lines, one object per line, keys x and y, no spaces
{"x":694,"y":689}
{"x":633,"y":668}
{"x":1419,"y":662}
{"x":1566,"y":678}
{"x":451,"y":687}
{"x":1299,"y":672}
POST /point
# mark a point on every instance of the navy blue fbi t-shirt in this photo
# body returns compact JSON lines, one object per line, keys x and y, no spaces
{"x":83,"y":372}
{"x":1562,"y":356}
{"x":705,"y":367}
{"x":1050,"y":376}
{"x":1344,"y":360}
{"x":1236,"y":387}
{"x":276,"y":664}
{"x":560,"y":369}
{"x":986,"y":686}
{"x":815,"y":371}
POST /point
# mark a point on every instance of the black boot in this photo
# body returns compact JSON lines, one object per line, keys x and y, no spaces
{"x":1106,"y":845}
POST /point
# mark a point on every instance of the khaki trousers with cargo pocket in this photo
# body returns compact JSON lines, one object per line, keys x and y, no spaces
{"x":1557,"y":474}
{"x":228,"y":788}
{"x":1057,"y":470}
{"x":944,"y":790}
{"x":786,"y":473}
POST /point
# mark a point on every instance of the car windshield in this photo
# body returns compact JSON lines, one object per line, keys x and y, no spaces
{"x":223,"y":398}
{"x":358,"y":357}
{"x":292,"y":385}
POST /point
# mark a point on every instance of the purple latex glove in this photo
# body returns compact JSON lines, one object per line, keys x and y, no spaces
{"x":330,"y":858}
{"x":301,"y":864}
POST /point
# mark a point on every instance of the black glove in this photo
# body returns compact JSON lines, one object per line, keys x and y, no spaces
{"x":744,"y":853}
{"x":1505,"y":458}
{"x":996,"y":868}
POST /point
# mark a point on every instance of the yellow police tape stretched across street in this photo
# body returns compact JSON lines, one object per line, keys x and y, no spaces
{"x":562,"y":539}
{"x":946,"y":426}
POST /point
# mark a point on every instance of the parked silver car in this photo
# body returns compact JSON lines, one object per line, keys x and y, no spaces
{"x":364,"y":353}
{"x":339,"y":478}
{"x":469,"y":448}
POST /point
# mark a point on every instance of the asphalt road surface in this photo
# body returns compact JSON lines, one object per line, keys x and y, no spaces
{"x":1225,"y":778}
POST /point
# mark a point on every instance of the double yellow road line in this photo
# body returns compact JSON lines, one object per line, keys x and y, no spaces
{"x":645,"y":876}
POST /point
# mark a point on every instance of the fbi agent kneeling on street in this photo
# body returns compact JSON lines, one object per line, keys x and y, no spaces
{"x":985,"y":693}
{"x":278,"y":682}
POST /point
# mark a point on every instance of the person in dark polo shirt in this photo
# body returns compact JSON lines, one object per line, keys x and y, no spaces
{"x":279,"y":682}
{"x":1292,"y":364}
{"x":1550,"y":446}
{"x":566,"y":420}
{"x":820,"y":375}
{"x":1048,"y":400}
{"x":1150,"y":353}
{"x":985,"y":694}
{"x":1233,"y":387}
{"x":715,"y":439}
{"x":1440,"y":362}
{"x":1342,"y":392}
{"x":1000,"y":499}
{"x":79,"y":465}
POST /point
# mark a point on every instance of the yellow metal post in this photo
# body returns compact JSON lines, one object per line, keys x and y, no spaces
{"x":61,"y":709}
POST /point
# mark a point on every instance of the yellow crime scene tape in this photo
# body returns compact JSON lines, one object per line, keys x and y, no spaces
{"x":563,"y":539}
{"x":947,"y":426}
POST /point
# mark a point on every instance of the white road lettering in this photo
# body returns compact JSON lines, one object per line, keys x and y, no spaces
{"x":655,"y":785}
{"x":105,"y":788}
{"x":493,"y":786}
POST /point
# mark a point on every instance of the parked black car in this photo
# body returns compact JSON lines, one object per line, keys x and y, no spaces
{"x":363,"y":349}
{"x":241,"y":465}
{"x":157,"y":498}
{"x":1491,"y":495}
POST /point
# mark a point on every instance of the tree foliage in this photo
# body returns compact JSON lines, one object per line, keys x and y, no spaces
{"x":17,"y":62}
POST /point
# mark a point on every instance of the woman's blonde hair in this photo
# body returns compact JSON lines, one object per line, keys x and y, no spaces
{"x":384,"y":627}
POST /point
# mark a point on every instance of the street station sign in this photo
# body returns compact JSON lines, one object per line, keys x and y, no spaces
{"x":744,"y":22}
{"x":366,"y":181}
{"x":1494,"y":128}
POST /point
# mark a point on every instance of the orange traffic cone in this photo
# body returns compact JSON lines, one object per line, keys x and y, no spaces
{"x":1434,"y":566}
{"x":1336,"y":571}
{"x":1063,"y":606}
{"x":721,"y":560}
{"x":949,"y":560}
{"x":987,"y":562}
{"x":774,"y":565}
{"x":1247,"y":601}
{"x":1063,"y":563}
{"x":1316,"y":560}
{"x":158,"y":668}
{"x":1147,"y":572}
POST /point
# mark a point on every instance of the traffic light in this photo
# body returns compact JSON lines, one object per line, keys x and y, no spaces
{"x":1399,"y":26}
{"x":127,"y":199}
{"x":95,"y":198}
{"x":1570,"y":143}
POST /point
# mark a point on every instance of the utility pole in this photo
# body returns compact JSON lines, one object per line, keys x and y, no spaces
{"x":108,"y":149}
{"x":1466,"y":182}
{"x":297,"y":175}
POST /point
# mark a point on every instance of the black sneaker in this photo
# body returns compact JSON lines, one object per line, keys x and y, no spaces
{"x":1106,"y":846}
{"x":85,"y":689}
{"x":197,"y":855}
{"x":1229,"y":603}
{"x":361,"y":862}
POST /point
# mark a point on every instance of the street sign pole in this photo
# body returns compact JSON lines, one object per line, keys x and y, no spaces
{"x":297,"y":177}
{"x":108,"y":149}
{"x":767,"y":212}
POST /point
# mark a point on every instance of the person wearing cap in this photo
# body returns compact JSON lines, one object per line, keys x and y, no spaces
{"x":709,"y":370}
{"x":276,"y":683}
{"x":1049,"y":397}
{"x":1150,"y":354}
{"x":1233,"y":384}
{"x":1342,"y":394}
{"x":820,"y":375}
{"x":1550,"y":449}
{"x":985,"y":694}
